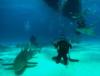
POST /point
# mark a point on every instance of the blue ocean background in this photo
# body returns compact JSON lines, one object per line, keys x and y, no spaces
{"x":43,"y":20}
{"x":20,"y":19}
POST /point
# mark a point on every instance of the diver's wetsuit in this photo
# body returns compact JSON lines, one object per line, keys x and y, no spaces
{"x":63,"y":49}
{"x":33,"y":39}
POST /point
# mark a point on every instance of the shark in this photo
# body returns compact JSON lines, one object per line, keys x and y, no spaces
{"x":4,"y":48}
{"x":53,"y":4}
{"x":20,"y":63}
{"x":72,"y":9}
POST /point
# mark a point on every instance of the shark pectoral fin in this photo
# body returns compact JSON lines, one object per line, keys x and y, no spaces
{"x":29,"y":66}
{"x":11,"y":68}
{"x":90,"y":32}
{"x":32,"y":62}
{"x":1,"y":59}
{"x":33,"y":57}
{"x":8,"y":64}
{"x":86,"y":31}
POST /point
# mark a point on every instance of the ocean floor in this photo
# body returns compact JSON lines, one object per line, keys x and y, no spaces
{"x":87,"y":52}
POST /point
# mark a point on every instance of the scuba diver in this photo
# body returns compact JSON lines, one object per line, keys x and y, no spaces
{"x":33,"y":40}
{"x":62,"y":47}
{"x":34,"y":43}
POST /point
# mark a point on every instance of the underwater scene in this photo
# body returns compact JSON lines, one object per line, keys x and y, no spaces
{"x":49,"y":38}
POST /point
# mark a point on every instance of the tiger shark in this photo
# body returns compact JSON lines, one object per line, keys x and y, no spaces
{"x":72,"y":9}
{"x":20,"y":63}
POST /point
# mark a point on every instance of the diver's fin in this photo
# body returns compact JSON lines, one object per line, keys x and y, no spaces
{"x":73,"y":60}
{"x":70,"y":59}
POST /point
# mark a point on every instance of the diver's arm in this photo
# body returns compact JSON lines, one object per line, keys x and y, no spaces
{"x":55,"y":45}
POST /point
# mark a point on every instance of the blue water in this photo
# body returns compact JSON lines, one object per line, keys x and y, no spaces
{"x":43,"y":20}
{"x":19,"y":19}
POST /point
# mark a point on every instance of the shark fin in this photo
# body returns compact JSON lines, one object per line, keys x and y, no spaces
{"x":32,"y":62}
{"x":86,"y":31}
{"x":8,"y":64}
{"x":11,"y":68}
{"x":29,"y":66}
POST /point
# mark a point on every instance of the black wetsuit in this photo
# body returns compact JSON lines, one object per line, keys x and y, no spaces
{"x":62,"y":49}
